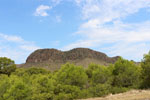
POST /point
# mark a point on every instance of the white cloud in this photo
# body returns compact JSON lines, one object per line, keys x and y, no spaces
{"x":130,"y":40}
{"x":15,"y":47}
{"x":41,"y":10}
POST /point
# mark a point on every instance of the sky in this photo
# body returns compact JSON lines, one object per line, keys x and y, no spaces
{"x":114,"y":27}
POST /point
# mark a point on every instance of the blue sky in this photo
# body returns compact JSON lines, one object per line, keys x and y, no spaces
{"x":115,"y":27}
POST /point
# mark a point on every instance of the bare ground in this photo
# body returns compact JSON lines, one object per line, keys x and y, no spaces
{"x":131,"y":95}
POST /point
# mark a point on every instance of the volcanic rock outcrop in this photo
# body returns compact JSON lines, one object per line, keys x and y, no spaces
{"x":53,"y":58}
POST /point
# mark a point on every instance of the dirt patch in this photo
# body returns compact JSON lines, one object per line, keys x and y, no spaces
{"x":131,"y":95}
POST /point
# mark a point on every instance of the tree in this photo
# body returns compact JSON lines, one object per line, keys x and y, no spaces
{"x":13,"y":88}
{"x":126,"y":74}
{"x":42,"y":87}
{"x":69,"y":92}
{"x":146,"y":71}
{"x":98,"y":74}
{"x":7,"y":66}
{"x":70,"y":74}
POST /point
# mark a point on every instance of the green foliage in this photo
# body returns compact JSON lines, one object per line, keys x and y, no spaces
{"x":13,"y":88}
{"x":146,"y":71}
{"x":4,"y":85}
{"x":98,"y":74}
{"x":34,"y":70}
{"x":70,"y":74}
{"x":126,"y":74}
{"x":7,"y":66}
{"x":100,"y":90}
{"x":19,"y":72}
{"x":18,"y":91}
{"x":31,"y":71}
{"x":91,"y":68}
{"x":115,"y":90}
{"x":42,"y":87}
{"x":72,"y":91}
{"x":63,"y":96}
{"x":85,"y":93}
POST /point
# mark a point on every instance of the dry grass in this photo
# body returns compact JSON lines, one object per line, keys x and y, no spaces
{"x":131,"y":95}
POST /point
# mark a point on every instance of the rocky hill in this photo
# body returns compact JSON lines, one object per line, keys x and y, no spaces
{"x":53,"y":58}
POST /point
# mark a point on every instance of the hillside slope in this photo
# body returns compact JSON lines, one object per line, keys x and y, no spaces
{"x":53,"y":58}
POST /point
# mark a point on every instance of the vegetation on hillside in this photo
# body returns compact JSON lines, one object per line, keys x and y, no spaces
{"x":71,"y":81}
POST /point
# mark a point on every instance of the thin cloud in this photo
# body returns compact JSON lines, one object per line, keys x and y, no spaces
{"x":11,"y":38}
{"x":42,"y":10}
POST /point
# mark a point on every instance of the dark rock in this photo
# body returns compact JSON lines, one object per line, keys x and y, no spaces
{"x":78,"y":56}
{"x":43,"y":55}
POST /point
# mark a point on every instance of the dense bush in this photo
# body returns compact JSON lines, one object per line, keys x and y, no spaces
{"x":126,"y":74}
{"x":70,"y":74}
{"x":115,"y":90}
{"x":72,"y":91}
{"x":13,"y":88}
{"x":99,"y":90}
{"x":99,"y":74}
{"x":42,"y":87}
{"x":4,"y":85}
{"x":34,"y":70}
{"x":146,"y":71}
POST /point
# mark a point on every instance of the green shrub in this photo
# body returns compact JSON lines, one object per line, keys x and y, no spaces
{"x":19,"y":72}
{"x":4,"y":85}
{"x":68,"y":89}
{"x":63,"y":96}
{"x":100,"y":90}
{"x":85,"y":94}
{"x":18,"y":91}
{"x":146,"y":71}
{"x":126,"y":74}
{"x":42,"y":87}
{"x":99,"y":74}
{"x":70,"y":74}
{"x":115,"y":90}
{"x":15,"y":89}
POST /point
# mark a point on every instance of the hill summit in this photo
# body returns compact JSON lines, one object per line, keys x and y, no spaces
{"x":53,"y":58}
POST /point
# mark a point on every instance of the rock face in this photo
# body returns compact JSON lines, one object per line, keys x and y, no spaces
{"x":78,"y":56}
{"x":43,"y":55}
